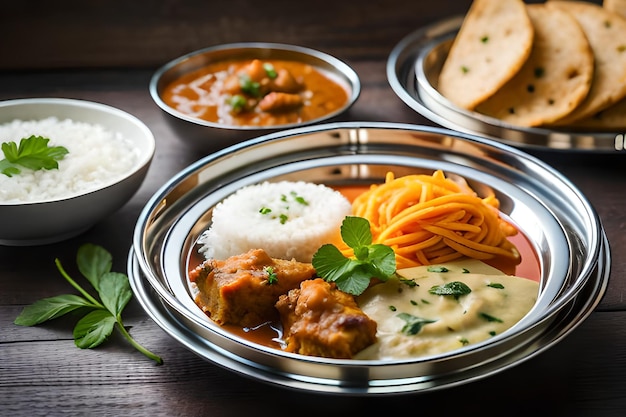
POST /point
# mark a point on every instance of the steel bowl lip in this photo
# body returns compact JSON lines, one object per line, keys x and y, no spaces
{"x":145,"y":156}
{"x":410,"y":49}
{"x":153,"y":203}
{"x":351,"y":76}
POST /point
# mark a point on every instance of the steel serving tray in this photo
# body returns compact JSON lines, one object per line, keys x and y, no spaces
{"x":561,"y":224}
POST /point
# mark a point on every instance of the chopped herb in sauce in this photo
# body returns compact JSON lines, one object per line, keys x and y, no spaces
{"x":496,"y":285}
{"x":484,"y":39}
{"x":271,"y":275}
{"x":269,"y":70}
{"x":437,"y":269}
{"x":248,"y":86}
{"x":454,"y":288}
{"x":413,"y":324}
{"x":237,"y":102}
{"x":464,"y":69}
{"x":409,"y":282}
{"x":489,"y":318}
{"x":539,"y":72}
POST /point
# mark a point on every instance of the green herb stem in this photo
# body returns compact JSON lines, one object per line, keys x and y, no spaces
{"x":140,"y":348}
{"x":78,"y":287}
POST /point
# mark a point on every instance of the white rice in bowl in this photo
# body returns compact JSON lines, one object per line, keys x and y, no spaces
{"x":97,"y":158}
{"x":289,"y":220}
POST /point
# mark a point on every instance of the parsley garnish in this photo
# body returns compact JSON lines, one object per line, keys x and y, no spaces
{"x":32,"y":153}
{"x":96,"y":326}
{"x":489,"y":317}
{"x":353,"y":275}
{"x":272,"y":278}
{"x":252,"y":88}
{"x":454,"y":288}
{"x":496,"y":285}
{"x":269,"y":70}
{"x":237,"y":102}
{"x":413,"y":324}
{"x":437,"y":269}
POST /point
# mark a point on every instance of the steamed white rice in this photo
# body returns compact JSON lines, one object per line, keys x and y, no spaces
{"x":289,"y":220}
{"x":97,"y":157}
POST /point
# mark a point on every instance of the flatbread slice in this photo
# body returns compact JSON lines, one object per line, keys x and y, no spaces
{"x":606,"y":32}
{"x":493,"y":43}
{"x":612,"y":118}
{"x":615,"y":6}
{"x":555,"y":79}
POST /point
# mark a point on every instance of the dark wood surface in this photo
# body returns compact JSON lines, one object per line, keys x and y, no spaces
{"x":106,"y":52}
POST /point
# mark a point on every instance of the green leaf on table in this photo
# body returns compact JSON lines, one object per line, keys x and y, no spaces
{"x":93,"y":329}
{"x":50,"y":308}
{"x":93,"y":262}
{"x":32,"y":153}
{"x":115,"y":292}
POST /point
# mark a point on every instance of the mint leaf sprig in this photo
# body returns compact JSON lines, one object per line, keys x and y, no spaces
{"x":353,"y":275}
{"x":32,"y":153}
{"x":113,"y":288}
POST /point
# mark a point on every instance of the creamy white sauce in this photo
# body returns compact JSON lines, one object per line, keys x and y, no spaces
{"x":496,"y":302}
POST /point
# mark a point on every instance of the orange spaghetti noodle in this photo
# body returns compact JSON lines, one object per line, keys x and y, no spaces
{"x":432,"y":219}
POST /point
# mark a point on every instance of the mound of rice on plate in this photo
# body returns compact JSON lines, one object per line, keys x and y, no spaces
{"x":289,"y":220}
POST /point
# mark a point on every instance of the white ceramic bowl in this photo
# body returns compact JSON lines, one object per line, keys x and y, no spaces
{"x":53,"y":219}
{"x":210,"y":136}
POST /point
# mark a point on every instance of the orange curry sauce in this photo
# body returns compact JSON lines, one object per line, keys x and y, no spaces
{"x":267,"y":333}
{"x":256,"y":93}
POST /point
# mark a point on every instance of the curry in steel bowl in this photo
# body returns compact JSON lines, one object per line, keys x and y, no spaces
{"x":256,"y":92}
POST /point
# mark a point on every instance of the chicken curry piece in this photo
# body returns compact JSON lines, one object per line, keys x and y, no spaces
{"x":321,"y":320}
{"x":256,"y":93}
{"x":243,"y":289}
{"x":253,"y":289}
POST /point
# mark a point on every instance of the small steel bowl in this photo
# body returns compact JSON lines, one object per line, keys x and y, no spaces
{"x":209,"y":136}
{"x":49,"y":220}
{"x":564,"y":229}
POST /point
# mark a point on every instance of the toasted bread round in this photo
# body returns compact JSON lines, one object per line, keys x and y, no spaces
{"x":606,"y":32}
{"x":616,"y":6}
{"x":554,"y":80}
{"x":492,"y":44}
{"x":610,"y":119}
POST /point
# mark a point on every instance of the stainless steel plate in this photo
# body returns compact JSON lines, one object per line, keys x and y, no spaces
{"x":559,"y":221}
{"x":412,"y":70}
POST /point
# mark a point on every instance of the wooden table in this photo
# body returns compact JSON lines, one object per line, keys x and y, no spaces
{"x":106,"y":52}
